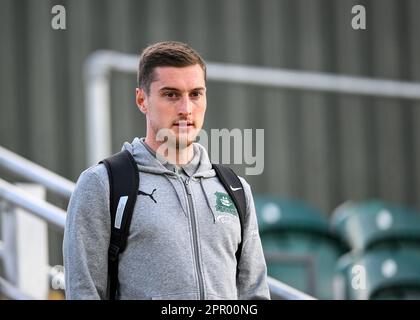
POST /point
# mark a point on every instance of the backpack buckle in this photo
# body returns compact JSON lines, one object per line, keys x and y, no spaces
{"x":113,"y":252}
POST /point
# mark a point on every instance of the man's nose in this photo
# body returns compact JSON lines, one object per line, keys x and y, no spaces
{"x":185,"y":106}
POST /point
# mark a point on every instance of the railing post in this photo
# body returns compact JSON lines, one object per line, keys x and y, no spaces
{"x":25,"y":242}
{"x":8,"y":226}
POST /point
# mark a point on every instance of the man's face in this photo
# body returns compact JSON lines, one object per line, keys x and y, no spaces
{"x":176,"y":101}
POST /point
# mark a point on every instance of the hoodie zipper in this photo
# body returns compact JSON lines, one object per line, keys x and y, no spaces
{"x":195,"y":236}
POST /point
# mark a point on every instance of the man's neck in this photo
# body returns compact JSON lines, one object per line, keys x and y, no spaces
{"x":170,"y":153}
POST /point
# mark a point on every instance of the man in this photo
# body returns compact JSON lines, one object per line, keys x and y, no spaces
{"x":184,"y":233}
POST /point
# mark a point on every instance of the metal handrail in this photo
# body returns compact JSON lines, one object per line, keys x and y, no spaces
{"x":10,"y":291}
{"x":35,"y":173}
{"x":284,"y":291}
{"x":100,"y":64}
{"x":25,"y":200}
{"x":306,"y":260}
{"x":313,"y":81}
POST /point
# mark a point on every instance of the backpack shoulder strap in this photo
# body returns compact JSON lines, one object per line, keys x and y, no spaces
{"x":235,"y":189}
{"x":123,"y":187}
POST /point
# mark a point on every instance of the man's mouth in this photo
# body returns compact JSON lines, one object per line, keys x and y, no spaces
{"x":184,"y":124}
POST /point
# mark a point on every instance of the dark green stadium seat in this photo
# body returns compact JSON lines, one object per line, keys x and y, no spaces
{"x":299,"y":247}
{"x":275,"y":214}
{"x":376,"y":224}
{"x":388,"y":274}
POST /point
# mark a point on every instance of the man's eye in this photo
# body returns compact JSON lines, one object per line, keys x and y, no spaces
{"x":196,"y":93}
{"x":170,"y":94}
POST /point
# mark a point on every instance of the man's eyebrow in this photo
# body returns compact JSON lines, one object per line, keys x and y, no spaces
{"x":175,"y":89}
{"x":168,"y":89}
{"x":199,"y":89}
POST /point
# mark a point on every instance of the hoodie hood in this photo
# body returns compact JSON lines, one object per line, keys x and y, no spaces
{"x":147,"y":162}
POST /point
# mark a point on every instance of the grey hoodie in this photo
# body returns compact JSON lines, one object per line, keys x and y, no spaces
{"x":182,"y":239}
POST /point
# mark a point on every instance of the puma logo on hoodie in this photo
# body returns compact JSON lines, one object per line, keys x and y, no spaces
{"x":147,"y":194}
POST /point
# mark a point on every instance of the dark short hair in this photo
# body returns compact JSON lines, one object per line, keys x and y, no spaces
{"x":165,"y":54}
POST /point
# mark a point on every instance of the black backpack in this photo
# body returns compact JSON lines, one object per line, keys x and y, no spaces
{"x":123,"y":188}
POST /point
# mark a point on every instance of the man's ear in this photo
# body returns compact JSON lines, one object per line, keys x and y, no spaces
{"x":140,"y":100}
